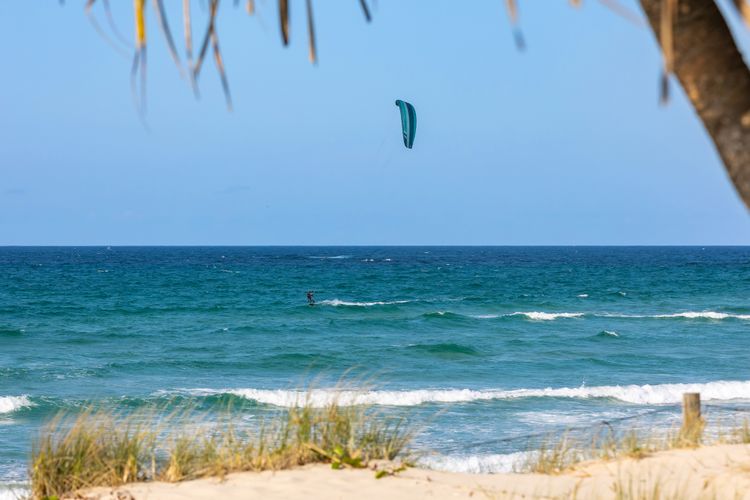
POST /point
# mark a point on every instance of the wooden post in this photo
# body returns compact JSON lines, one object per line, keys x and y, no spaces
{"x":692,"y":424}
{"x":691,"y":409}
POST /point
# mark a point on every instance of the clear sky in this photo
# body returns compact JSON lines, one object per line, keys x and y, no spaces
{"x":564,"y":143}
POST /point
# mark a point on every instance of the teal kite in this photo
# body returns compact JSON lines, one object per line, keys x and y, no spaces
{"x":408,"y":122}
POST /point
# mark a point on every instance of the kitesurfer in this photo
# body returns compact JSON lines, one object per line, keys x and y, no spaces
{"x":311,"y":298}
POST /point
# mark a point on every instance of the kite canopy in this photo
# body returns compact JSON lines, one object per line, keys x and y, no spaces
{"x":408,"y":122}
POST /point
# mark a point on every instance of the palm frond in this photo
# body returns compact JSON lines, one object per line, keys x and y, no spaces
{"x":312,"y":52}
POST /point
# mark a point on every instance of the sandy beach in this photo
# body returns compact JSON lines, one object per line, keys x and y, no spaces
{"x":721,"y":471}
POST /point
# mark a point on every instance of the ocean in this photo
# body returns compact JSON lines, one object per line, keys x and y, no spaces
{"x":487,"y":348}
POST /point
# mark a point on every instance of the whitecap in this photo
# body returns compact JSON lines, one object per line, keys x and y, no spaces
{"x":681,"y":315}
{"x":543,"y":316}
{"x":476,"y":464}
{"x":703,"y":315}
{"x":485,"y":316}
{"x":14,"y":492}
{"x":10,"y":404}
{"x":583,"y":295}
{"x":337,"y":303}
{"x":330,"y":257}
{"x":635,"y":394}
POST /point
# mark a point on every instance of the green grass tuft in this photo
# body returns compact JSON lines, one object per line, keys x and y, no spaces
{"x":102,"y":448}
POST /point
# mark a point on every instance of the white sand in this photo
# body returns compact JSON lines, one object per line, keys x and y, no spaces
{"x":712,"y":472}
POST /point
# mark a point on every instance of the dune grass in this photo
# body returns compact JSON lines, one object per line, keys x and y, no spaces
{"x":104,"y":448}
{"x":555,"y":456}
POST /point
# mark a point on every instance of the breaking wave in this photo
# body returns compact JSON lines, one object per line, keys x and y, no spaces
{"x":543,"y":316}
{"x":344,"y":303}
{"x":704,"y":315}
{"x":10,"y":404}
{"x":635,"y":394}
{"x":476,"y":464}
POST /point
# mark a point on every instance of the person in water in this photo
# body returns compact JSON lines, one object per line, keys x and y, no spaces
{"x":311,"y":298}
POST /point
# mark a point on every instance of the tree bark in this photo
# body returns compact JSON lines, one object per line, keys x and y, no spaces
{"x":715,"y":78}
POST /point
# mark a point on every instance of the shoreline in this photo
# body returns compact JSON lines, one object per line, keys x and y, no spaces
{"x":717,"y":471}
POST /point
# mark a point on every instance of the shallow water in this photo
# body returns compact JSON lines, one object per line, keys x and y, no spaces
{"x":486,"y":344}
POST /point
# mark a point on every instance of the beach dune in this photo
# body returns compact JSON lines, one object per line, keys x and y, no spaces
{"x":712,"y":472}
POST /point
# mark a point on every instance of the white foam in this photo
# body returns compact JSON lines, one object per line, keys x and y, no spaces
{"x":610,"y":333}
{"x":636,"y":394}
{"x":330,"y":257}
{"x":583,"y":295}
{"x":543,"y":316}
{"x":476,"y":464}
{"x":337,"y":303}
{"x":686,"y":314}
{"x":485,"y":316}
{"x":10,"y":404}
{"x":703,"y":315}
{"x":13,"y":493}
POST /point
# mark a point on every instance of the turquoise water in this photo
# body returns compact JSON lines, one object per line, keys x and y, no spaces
{"x":483,"y":344}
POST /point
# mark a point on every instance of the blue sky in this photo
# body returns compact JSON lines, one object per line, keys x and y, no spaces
{"x":564,"y":143}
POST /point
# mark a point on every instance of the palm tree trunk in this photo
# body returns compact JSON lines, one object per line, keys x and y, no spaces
{"x":715,"y":78}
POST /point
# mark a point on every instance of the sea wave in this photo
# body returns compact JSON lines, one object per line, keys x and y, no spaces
{"x":531,"y":315}
{"x":10,"y":404}
{"x":476,"y":464}
{"x":445,"y":349}
{"x":345,"y":303}
{"x":544,"y":316}
{"x":704,"y":315}
{"x":714,"y":315}
{"x":550,"y":316}
{"x":329,"y":257}
{"x":13,"y":491}
{"x":635,"y":394}
{"x":607,"y":333}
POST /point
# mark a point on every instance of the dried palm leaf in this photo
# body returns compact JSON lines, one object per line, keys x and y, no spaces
{"x":164,"y":25}
{"x":512,"y":8}
{"x":206,"y":39}
{"x":99,"y":31}
{"x":212,"y":38}
{"x":139,"y":59}
{"x":111,"y":21}
{"x":220,"y":66}
{"x":743,"y":7}
{"x":188,"y":29}
{"x":365,"y":10}
{"x":312,"y":53}
{"x":623,"y":12}
{"x":284,"y":20}
{"x":666,"y":35}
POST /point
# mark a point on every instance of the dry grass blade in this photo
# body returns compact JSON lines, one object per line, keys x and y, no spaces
{"x":623,"y":12}
{"x":512,"y":9}
{"x":313,"y":54}
{"x":220,"y":67}
{"x":284,"y":20}
{"x":250,"y":7}
{"x":164,"y":25}
{"x":743,"y":7}
{"x":666,"y":35}
{"x":365,"y":10}
{"x":108,"y":448}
